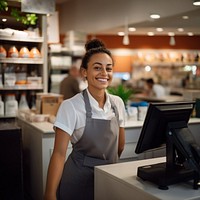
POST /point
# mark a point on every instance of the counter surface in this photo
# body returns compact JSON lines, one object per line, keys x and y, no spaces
{"x":118,"y":179}
{"x":47,"y":127}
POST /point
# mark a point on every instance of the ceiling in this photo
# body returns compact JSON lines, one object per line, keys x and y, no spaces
{"x":110,"y":16}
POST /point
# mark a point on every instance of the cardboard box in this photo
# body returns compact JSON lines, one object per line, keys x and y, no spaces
{"x":48,"y":103}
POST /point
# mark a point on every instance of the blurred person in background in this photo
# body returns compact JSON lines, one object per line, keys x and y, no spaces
{"x":69,"y":86}
{"x":152,"y":89}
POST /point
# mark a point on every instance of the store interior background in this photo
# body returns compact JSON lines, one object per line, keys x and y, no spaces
{"x":67,"y":29}
{"x":170,"y":64}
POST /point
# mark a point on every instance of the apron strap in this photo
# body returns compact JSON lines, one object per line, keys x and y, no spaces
{"x":89,"y":109}
{"x":114,"y":107}
{"x":87,"y":104}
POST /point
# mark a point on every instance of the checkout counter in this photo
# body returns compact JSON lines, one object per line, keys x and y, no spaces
{"x":120,"y":182}
{"x":38,"y":142}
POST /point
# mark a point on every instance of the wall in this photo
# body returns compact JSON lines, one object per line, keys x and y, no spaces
{"x":150,"y":42}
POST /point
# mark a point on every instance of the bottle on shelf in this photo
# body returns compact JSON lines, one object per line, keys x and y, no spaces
{"x":11,"y":105}
{"x":35,"y":53}
{"x":1,"y":107}
{"x":23,"y":104}
{"x":13,"y":52}
{"x":33,"y":101}
{"x":2,"y":52}
{"x":9,"y":75}
{"x":1,"y":76}
{"x":24,"y":53}
{"x":21,"y":75}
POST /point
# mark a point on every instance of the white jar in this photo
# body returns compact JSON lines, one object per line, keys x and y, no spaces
{"x":11,"y":105}
{"x":23,"y":104}
{"x":142,"y":111}
{"x":132,"y":113}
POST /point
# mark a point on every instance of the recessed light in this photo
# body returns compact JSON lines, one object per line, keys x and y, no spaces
{"x":120,"y":33}
{"x":150,"y":34}
{"x":132,"y":29}
{"x":190,"y":34}
{"x":159,"y":29}
{"x":155,"y":16}
{"x":185,"y":17}
{"x":171,"y":34}
{"x":196,"y":3}
{"x":180,"y":29}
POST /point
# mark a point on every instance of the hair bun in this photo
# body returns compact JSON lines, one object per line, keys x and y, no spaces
{"x":92,"y":44}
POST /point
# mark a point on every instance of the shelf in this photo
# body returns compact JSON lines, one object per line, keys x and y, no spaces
{"x":18,"y":39}
{"x":168,"y":64}
{"x":22,"y":87}
{"x":22,"y":60}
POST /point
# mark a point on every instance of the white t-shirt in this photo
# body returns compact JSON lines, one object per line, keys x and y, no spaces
{"x":71,"y":115}
{"x":159,"y":90}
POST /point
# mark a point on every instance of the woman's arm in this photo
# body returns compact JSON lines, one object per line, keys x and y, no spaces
{"x":56,"y":164}
{"x":121,"y":141}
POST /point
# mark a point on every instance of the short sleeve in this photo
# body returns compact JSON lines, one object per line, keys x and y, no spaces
{"x":66,"y":117}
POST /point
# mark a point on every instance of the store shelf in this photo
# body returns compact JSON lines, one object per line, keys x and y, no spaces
{"x":168,"y":64}
{"x":22,"y":87}
{"x":22,"y":60}
{"x":19,"y":39}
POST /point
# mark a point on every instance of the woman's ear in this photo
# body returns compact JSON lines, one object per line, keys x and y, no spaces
{"x":83,"y":72}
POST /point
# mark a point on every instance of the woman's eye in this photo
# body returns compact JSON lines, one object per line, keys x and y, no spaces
{"x":98,"y":68}
{"x":109,"y":69}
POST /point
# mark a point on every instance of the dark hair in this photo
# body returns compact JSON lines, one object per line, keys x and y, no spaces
{"x":150,"y":81}
{"x":92,"y":47}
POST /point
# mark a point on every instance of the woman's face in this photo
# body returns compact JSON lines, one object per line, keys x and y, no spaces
{"x":99,"y":71}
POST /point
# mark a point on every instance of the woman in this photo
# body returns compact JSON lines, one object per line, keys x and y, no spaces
{"x":93,"y":121}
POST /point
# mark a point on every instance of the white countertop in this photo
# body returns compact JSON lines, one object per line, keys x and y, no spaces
{"x":47,"y":127}
{"x":126,"y":172}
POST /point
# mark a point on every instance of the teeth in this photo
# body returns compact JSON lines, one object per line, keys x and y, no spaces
{"x":102,"y":79}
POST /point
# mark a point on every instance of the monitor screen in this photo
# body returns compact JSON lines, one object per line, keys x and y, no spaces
{"x":153,"y":134}
{"x":167,"y":123}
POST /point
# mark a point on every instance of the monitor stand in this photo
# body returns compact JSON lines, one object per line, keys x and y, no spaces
{"x":180,"y":166}
{"x":161,"y":176}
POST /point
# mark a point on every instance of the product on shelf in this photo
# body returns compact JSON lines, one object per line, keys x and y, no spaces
{"x":13,"y":52}
{"x":23,"y":104}
{"x":1,"y":76}
{"x":1,"y":107}
{"x":2,"y":52}
{"x":21,"y":75}
{"x":34,"y":53}
{"x":24,"y":53}
{"x":9,"y":76}
{"x":11,"y":105}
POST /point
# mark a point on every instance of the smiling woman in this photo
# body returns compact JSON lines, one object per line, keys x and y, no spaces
{"x":93,"y":121}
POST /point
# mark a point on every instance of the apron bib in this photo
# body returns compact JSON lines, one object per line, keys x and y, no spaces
{"x":97,"y":146}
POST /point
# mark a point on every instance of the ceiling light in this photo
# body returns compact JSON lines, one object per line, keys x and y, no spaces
{"x":190,"y":34}
{"x":125,"y":40}
{"x":172,"y":41}
{"x":126,"y":37}
{"x":120,"y":33}
{"x":180,"y":29}
{"x":185,"y":17}
{"x":155,"y":16}
{"x":171,"y":34}
{"x":150,"y":34}
{"x":132,"y":29}
{"x":196,"y":3}
{"x":4,"y":20}
{"x":159,"y":29}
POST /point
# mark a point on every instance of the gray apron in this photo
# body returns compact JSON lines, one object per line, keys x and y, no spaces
{"x":97,"y":146}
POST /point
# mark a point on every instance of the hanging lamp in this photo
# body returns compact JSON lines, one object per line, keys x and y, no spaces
{"x":196,"y":2}
{"x":126,"y":36}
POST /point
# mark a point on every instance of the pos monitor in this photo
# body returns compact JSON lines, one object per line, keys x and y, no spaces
{"x":167,"y":123}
